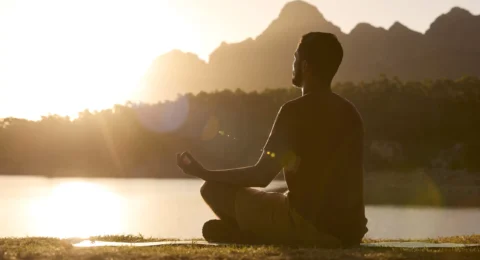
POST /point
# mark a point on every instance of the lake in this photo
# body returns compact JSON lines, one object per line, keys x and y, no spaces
{"x":166,"y":208}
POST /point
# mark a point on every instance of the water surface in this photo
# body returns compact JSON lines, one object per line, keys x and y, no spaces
{"x":32,"y":206}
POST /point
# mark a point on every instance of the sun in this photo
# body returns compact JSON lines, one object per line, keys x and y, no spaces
{"x":55,"y":61}
{"x":78,"y":209}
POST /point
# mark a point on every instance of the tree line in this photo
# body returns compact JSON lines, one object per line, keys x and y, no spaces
{"x":408,"y":125}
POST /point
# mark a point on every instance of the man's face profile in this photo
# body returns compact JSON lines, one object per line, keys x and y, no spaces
{"x":297,"y":74}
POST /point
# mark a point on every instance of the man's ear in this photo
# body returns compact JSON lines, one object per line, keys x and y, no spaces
{"x":304,"y":66}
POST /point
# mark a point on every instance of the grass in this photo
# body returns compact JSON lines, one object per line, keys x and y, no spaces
{"x":33,"y":248}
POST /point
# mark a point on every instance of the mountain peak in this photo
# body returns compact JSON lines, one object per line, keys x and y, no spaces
{"x":398,"y":26}
{"x":298,"y":9}
{"x":459,"y":12}
{"x":366,"y":28}
{"x":457,"y":20}
{"x":297,"y":18}
{"x":399,"y":29}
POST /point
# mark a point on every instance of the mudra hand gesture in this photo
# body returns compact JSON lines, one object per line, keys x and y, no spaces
{"x":189,"y":165}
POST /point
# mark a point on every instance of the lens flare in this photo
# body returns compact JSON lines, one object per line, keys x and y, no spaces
{"x":166,"y":117}
{"x":211,"y":129}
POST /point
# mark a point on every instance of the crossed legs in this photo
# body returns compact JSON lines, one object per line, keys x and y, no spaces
{"x":262,"y":217}
{"x":221,"y":199}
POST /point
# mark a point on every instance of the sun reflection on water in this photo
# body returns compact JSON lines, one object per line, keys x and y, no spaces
{"x":78,"y":209}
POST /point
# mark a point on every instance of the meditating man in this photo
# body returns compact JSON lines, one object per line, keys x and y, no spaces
{"x":317,"y":140}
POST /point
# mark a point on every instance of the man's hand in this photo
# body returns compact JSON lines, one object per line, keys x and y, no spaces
{"x":189,"y":165}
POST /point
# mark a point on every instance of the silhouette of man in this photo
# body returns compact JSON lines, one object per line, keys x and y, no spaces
{"x":317,"y":140}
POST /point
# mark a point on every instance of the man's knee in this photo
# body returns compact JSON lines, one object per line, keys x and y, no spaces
{"x":207,"y":190}
{"x":214,"y":193}
{"x":221,"y":199}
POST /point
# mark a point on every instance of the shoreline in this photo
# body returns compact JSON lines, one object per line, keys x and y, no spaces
{"x":422,"y":187}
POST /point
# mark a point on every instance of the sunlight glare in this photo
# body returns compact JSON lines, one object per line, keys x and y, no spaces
{"x":53,"y":60}
{"x":78,"y":209}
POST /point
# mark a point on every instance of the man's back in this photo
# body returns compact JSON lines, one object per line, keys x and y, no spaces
{"x":326,"y":132}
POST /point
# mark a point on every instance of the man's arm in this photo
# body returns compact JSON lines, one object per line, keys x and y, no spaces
{"x":259,"y":175}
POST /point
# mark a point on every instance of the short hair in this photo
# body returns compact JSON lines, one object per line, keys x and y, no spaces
{"x":323,"y":52}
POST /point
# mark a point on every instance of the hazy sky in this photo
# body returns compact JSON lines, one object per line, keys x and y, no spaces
{"x":63,"y":56}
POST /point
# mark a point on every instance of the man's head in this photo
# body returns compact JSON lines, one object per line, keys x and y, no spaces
{"x":317,"y":59}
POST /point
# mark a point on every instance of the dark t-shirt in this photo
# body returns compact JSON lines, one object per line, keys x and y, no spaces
{"x":323,"y":133}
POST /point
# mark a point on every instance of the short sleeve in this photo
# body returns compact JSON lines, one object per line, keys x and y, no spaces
{"x":279,"y":140}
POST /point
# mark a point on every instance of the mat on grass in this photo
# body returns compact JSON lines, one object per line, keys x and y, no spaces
{"x":89,"y":243}
{"x":399,"y":244}
{"x":413,"y":244}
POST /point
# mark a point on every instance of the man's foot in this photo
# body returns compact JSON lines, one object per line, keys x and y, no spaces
{"x":219,"y":231}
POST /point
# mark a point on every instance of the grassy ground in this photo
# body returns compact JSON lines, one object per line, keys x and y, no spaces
{"x":52,"y":248}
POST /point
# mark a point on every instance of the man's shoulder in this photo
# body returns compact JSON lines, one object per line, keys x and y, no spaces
{"x":342,"y":106}
{"x":291,"y":108}
{"x":312,"y":99}
{"x":349,"y":111}
{"x":294,"y":103}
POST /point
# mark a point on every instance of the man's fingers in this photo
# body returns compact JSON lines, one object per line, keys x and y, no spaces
{"x":187,"y":163}
{"x":180,"y":162}
{"x":187,"y":159}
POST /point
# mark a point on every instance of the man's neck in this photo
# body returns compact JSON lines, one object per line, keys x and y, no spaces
{"x":316,"y":87}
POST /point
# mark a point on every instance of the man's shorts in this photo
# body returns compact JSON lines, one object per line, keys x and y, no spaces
{"x":269,"y":217}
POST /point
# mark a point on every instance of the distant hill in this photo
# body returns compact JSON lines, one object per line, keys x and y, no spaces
{"x":450,"y":48}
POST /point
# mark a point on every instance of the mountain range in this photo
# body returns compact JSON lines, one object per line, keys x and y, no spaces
{"x":450,"y":48}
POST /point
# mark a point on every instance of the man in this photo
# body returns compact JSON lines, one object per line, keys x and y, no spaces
{"x":317,"y":140}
